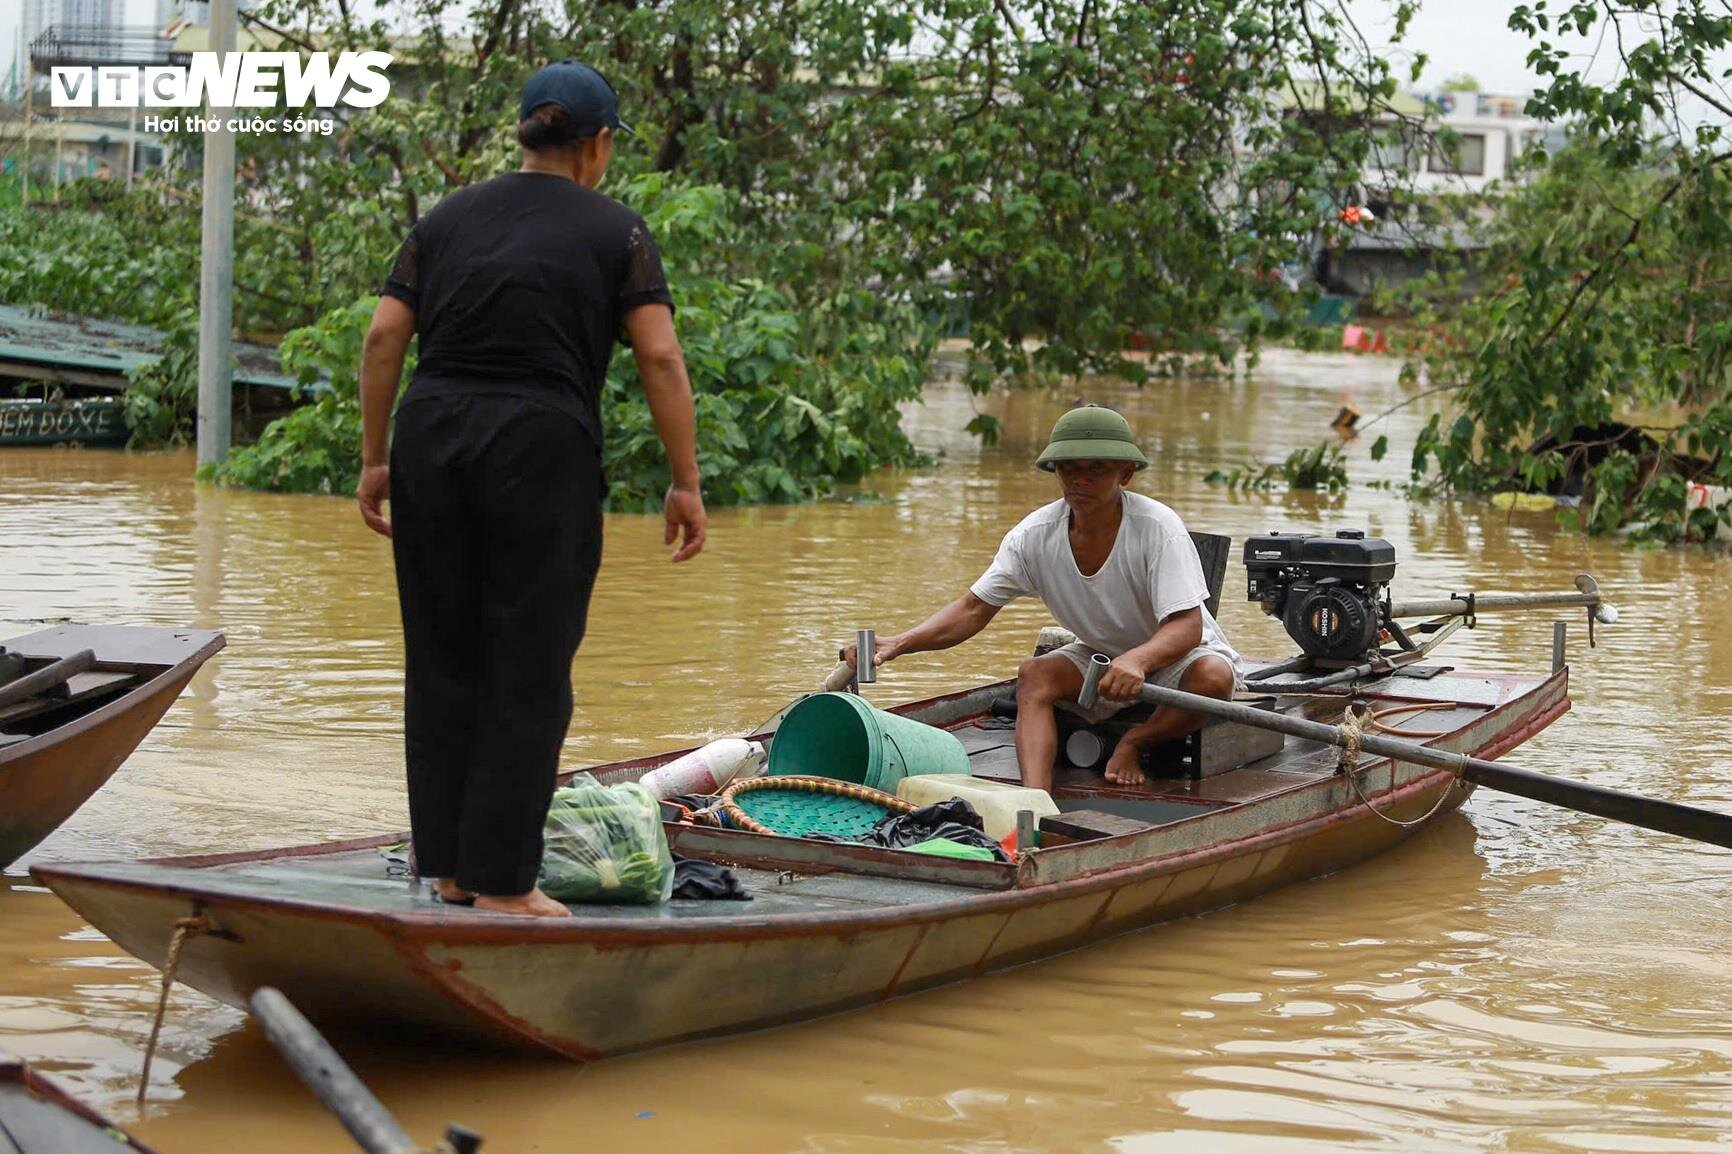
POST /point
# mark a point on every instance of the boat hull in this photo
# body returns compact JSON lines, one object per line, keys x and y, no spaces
{"x":598,"y":986}
{"x":44,"y":780}
{"x":38,"y":1117}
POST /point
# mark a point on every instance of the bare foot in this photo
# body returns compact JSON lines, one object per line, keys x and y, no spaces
{"x":1125,"y":766}
{"x":533,"y":904}
{"x":452,"y":893}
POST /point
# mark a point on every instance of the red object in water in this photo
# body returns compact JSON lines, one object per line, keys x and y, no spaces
{"x":1359,"y":339}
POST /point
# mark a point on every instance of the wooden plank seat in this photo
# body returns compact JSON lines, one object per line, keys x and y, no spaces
{"x":79,"y":689}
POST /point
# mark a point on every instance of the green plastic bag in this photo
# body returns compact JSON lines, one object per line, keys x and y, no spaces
{"x":944,"y":847}
{"x":605,"y":844}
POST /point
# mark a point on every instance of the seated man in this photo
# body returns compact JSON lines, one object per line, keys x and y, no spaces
{"x":1115,"y":568}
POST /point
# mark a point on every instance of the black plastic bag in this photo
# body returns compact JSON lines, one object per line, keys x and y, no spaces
{"x":705,"y":879}
{"x":954,"y":819}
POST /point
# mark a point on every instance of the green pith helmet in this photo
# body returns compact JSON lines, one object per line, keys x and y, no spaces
{"x":1091,"y":433}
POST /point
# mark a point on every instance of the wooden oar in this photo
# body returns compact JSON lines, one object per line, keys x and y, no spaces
{"x":1704,"y":825}
{"x":47,"y":677}
{"x":343,"y":1093}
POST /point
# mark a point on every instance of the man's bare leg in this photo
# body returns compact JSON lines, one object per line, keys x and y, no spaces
{"x":1040,"y":681}
{"x":1207,"y":677}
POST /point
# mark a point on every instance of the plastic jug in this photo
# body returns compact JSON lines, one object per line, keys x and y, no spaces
{"x":708,"y":770}
{"x":996,"y":802}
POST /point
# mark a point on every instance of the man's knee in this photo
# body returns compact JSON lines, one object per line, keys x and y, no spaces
{"x":1041,"y":681}
{"x":1209,"y":676}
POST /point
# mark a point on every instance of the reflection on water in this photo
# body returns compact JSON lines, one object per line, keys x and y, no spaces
{"x":1517,"y":978}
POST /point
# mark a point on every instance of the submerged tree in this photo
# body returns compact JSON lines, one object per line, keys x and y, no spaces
{"x":1595,"y":354}
{"x":1061,"y":171}
{"x":1050,"y":177}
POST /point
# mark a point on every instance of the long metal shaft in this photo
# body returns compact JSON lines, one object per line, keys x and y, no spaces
{"x":1454,"y":606}
{"x":328,"y":1076}
{"x":1650,"y":813}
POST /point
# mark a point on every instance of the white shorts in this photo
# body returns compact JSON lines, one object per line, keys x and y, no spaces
{"x":1167,"y":677}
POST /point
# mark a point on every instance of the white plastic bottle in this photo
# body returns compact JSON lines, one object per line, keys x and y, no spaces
{"x":708,"y":770}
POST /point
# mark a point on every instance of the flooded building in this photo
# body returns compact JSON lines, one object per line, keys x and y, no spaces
{"x":1462,"y":144}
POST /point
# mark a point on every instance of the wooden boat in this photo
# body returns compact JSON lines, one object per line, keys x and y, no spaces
{"x":37,"y":1117}
{"x":59,"y":746}
{"x":831,"y":927}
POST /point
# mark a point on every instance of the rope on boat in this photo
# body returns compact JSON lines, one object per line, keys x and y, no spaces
{"x":184,"y":928}
{"x":1352,"y":729}
{"x":1421,"y":707}
{"x":1352,"y":733}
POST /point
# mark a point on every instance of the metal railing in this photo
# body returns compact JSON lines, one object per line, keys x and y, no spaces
{"x":95,"y":45}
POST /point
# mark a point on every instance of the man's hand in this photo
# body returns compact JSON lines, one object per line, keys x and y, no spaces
{"x":372,"y":493}
{"x":884,"y":650}
{"x":1123,"y":679}
{"x":684,"y":510}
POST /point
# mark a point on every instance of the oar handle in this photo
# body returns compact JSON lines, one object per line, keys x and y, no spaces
{"x":1704,"y":825}
{"x":328,"y":1076}
{"x":866,"y":656}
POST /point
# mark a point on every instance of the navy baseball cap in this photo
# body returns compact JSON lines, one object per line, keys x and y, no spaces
{"x":583,"y":92}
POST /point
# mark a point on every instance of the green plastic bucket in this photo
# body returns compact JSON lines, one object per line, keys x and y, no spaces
{"x":840,"y":736}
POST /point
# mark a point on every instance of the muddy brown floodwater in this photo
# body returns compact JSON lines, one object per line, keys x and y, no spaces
{"x":1517,"y":978}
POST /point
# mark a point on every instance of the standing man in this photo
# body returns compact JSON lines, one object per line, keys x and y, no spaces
{"x":1117,"y":569}
{"x":518,"y":287}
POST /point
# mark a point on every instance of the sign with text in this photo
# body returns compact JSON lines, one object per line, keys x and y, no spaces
{"x":96,"y":422}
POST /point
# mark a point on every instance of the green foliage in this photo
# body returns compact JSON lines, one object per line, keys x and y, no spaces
{"x":790,"y":401}
{"x":1599,"y":302}
{"x":1060,"y":173}
{"x":162,"y":402}
{"x":1602,"y":304}
{"x":1047,"y":177}
{"x":317,"y":447}
{"x":1321,"y":468}
{"x":121,"y":257}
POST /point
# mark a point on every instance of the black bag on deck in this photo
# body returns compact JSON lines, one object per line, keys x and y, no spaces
{"x":954,"y":819}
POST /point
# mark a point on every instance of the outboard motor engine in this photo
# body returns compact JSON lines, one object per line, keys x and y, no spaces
{"x":1331,"y":593}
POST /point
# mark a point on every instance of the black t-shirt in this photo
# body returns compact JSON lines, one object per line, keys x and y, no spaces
{"x":520,"y":285}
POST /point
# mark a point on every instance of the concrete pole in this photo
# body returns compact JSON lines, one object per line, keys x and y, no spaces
{"x":216,"y":269}
{"x":29,"y":113}
{"x":131,"y":144}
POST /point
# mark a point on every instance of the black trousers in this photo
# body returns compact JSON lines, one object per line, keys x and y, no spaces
{"x":496,"y":528}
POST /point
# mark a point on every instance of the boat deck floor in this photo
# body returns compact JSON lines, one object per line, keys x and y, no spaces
{"x":362,"y":880}
{"x":991,"y":745}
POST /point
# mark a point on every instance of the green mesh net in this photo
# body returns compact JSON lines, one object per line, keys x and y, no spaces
{"x":793,"y":812}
